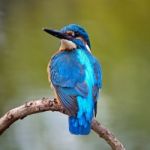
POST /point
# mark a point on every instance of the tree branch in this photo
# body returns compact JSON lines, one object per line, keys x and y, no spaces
{"x":46,"y":104}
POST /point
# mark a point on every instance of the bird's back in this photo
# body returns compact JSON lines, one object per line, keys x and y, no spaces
{"x":73,"y":77}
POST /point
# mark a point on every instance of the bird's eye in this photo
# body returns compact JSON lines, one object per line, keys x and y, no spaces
{"x":71,"y":33}
{"x":76,"y":34}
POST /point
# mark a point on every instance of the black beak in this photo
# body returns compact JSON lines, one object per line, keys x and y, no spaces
{"x":58,"y":34}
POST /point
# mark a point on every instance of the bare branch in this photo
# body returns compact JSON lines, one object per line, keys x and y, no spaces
{"x":46,"y":104}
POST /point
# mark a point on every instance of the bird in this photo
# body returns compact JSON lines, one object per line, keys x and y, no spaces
{"x":76,"y":77}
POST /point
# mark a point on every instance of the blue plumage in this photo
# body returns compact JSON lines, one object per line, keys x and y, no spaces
{"x":76,"y":76}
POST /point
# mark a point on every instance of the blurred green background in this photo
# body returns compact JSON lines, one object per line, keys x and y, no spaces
{"x":120,"y":37}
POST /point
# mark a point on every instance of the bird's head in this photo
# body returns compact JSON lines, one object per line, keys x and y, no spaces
{"x":72,"y":36}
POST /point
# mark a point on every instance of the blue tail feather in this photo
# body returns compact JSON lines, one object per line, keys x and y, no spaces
{"x":78,"y":126}
{"x":81,"y":123}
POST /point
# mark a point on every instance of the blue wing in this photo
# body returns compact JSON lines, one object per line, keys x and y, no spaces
{"x":67,"y":76}
{"x":98,"y":82}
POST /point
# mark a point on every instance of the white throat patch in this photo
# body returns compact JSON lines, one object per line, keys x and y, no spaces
{"x":67,"y":45}
{"x":88,"y":48}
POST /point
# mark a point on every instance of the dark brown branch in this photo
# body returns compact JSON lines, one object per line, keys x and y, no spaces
{"x":46,"y":104}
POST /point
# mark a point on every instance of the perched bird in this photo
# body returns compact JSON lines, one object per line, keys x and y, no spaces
{"x":76,"y":77}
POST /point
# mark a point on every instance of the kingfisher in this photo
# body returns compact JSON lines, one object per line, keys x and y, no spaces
{"x":76,"y":77}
